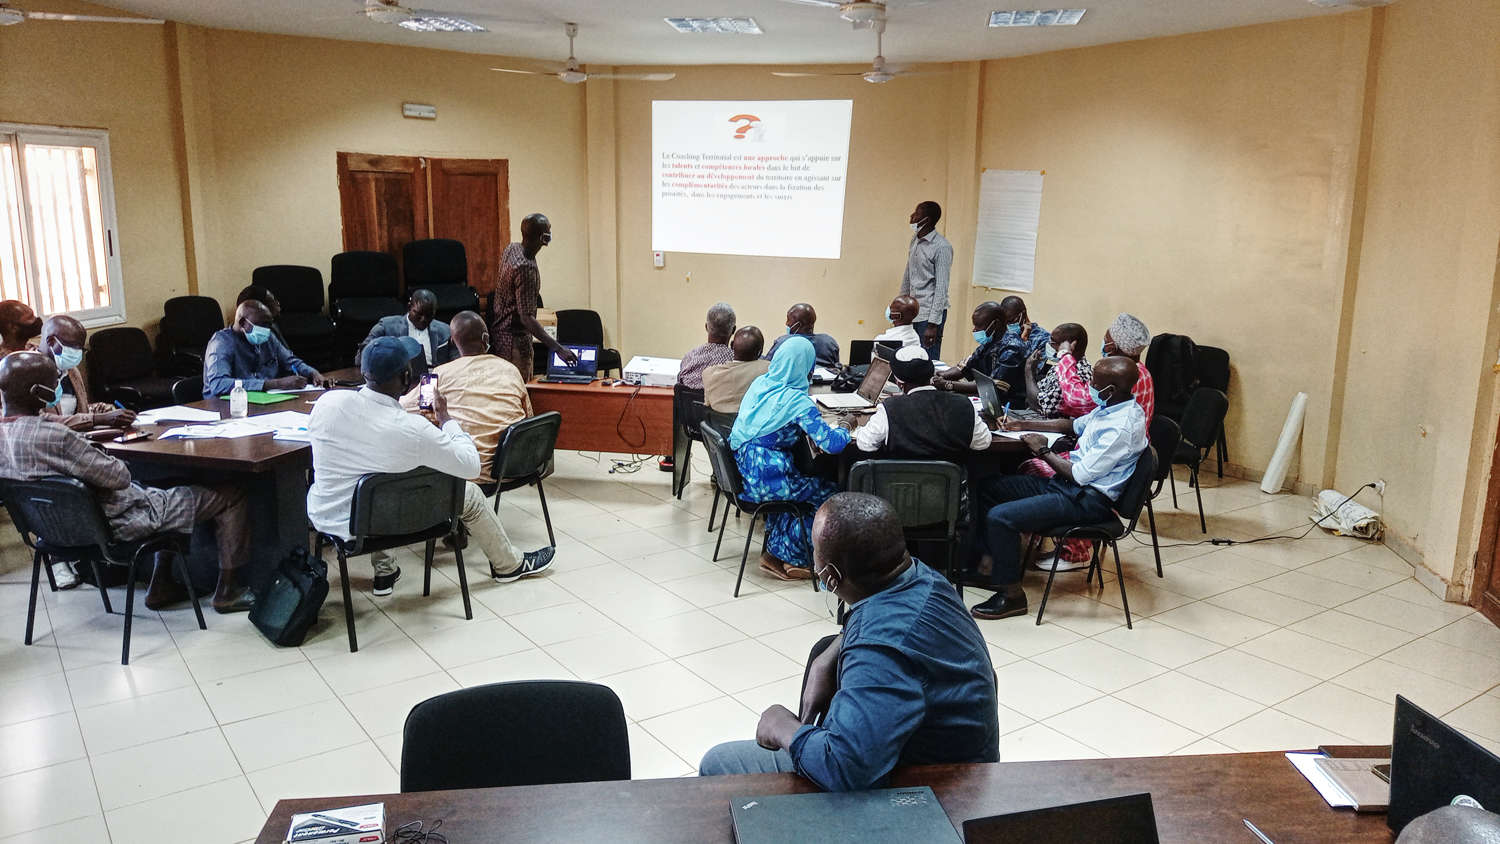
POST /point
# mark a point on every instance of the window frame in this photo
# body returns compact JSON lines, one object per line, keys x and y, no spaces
{"x":98,"y":139}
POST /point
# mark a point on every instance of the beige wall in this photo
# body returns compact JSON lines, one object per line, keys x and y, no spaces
{"x":1202,"y":183}
{"x":43,"y":81}
{"x":1420,"y":388}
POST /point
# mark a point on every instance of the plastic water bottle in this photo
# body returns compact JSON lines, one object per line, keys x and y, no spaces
{"x":239,"y":404}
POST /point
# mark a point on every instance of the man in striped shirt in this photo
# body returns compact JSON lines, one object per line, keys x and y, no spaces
{"x":929,"y":259}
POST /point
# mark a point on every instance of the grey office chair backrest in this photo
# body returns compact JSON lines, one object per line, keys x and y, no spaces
{"x":62,"y":512}
{"x":409,"y":502}
{"x":721,"y":458}
{"x":922,"y":492}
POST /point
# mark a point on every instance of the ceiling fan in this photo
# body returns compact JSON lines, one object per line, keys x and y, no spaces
{"x":11,"y":15}
{"x":572,"y":74}
{"x":863,"y":14}
{"x":879,"y":71}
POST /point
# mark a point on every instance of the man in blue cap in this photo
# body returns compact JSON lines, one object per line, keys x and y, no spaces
{"x":356,"y":433}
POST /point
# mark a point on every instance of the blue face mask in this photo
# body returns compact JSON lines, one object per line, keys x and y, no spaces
{"x":889,"y":317}
{"x":57,"y":394}
{"x":1103,"y":352}
{"x":981,"y":336}
{"x":1013,"y":328}
{"x":258,"y":334}
{"x":1097,"y":396}
{"x":792,"y":326}
{"x":68,"y":358}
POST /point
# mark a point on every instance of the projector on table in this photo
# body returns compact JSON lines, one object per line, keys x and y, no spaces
{"x":652,"y":372}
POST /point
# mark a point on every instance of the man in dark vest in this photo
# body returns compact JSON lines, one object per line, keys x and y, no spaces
{"x":922,"y":423}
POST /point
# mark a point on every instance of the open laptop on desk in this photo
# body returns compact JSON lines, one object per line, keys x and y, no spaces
{"x":868,"y":394}
{"x":1130,"y":819}
{"x":558,"y":371}
{"x":862,"y":351}
{"x":1432,"y":763}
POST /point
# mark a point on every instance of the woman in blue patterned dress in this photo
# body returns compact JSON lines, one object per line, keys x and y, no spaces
{"x":775,"y":413}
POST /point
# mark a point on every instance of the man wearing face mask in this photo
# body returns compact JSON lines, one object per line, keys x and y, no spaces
{"x":513,"y":322}
{"x":908,"y":682}
{"x":248,"y":352}
{"x":988,"y":332}
{"x":929,"y":260}
{"x":32,"y":447}
{"x":901,"y":313}
{"x":62,"y":341}
{"x":18,"y":324}
{"x":355,"y":433}
{"x":1084,"y":489}
{"x":802,"y":319}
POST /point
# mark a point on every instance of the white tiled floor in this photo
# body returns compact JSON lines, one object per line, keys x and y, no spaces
{"x":1261,"y":646}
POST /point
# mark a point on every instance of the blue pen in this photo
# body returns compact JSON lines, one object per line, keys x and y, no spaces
{"x":117,"y":404}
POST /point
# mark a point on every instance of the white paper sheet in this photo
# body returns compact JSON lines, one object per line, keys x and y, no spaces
{"x":231,"y":430}
{"x":177,"y":413}
{"x":1016,"y":435}
{"x":821,"y":375}
{"x":310,"y":388}
{"x":1321,"y":781}
{"x":293,"y":419}
{"x":1010,"y":209}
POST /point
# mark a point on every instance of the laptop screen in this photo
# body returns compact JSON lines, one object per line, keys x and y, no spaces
{"x":1117,"y":820}
{"x":1432,"y":763}
{"x":588,"y":361}
{"x":862,"y":351}
{"x":875,"y":378}
{"x":988,"y":395}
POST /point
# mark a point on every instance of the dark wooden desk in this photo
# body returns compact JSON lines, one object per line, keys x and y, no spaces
{"x":622,"y":419}
{"x":1197,"y":798}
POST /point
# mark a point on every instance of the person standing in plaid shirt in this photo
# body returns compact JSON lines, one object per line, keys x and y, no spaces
{"x":1128,"y":337}
{"x":513,"y":313}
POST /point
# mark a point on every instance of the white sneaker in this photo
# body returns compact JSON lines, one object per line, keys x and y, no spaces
{"x":64,"y":574}
{"x":1052,"y":562}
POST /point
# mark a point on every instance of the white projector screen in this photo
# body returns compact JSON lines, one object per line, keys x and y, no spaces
{"x":749,"y":178}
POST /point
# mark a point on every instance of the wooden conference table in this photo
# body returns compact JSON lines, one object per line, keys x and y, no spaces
{"x":1197,"y":798}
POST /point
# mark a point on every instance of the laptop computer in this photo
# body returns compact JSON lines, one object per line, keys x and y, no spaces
{"x":861,"y":351}
{"x":989,"y":395}
{"x":883,"y":816}
{"x":558,"y":371}
{"x":868,"y":394}
{"x":1116,"y":820}
{"x":1432,"y":763}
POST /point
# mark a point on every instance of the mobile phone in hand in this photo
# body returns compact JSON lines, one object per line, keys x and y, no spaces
{"x":427,"y":391}
{"x":133,"y":436}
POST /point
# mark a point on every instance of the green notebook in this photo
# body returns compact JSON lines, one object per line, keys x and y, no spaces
{"x":258,"y":397}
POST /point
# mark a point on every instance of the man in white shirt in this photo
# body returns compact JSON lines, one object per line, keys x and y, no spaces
{"x":432,"y":335}
{"x":1087,"y":484}
{"x":922,"y":423}
{"x":358,"y":433}
{"x":901,"y":313}
{"x":929,"y":259}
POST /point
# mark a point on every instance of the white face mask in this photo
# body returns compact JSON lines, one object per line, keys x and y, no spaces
{"x":916,"y":227}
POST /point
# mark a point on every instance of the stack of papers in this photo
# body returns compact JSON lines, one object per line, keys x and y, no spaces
{"x":289,"y":425}
{"x":1016,"y":435}
{"x":176,"y":413}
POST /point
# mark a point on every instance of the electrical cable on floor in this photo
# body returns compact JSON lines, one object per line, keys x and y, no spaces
{"x":1226,"y":542}
{"x":619,"y":423}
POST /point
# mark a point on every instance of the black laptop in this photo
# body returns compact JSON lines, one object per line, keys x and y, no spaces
{"x":884,"y":816}
{"x":559,"y":372}
{"x":1432,"y":763}
{"x":1130,"y":819}
{"x":861,"y":352}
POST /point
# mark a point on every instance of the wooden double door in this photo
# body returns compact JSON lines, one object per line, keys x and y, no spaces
{"x":387,"y":201}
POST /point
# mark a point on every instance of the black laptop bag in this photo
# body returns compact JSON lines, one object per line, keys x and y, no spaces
{"x":289,"y":604}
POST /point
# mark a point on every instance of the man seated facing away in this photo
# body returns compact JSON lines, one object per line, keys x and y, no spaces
{"x":62,"y":341}
{"x":908,"y":682}
{"x":32,"y":447}
{"x":922,"y":423}
{"x":18,"y":324}
{"x":725,"y":384}
{"x":356,"y":433}
{"x":417,"y":323}
{"x":901,"y":313}
{"x":802,"y":319}
{"x":1084,"y":490}
{"x":720,"y":327}
{"x":1006,"y":337}
{"x":247,"y":352}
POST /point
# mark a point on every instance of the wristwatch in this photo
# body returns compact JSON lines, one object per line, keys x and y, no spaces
{"x":1043,"y":451}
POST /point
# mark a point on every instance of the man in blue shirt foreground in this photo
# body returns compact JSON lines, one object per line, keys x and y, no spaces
{"x":1088,"y":482}
{"x":248,"y":351}
{"x":908,"y":682}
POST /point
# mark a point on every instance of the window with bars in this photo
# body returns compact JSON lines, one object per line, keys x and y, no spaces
{"x":59,"y":252}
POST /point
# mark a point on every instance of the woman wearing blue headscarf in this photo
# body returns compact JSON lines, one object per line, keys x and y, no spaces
{"x":775,"y":413}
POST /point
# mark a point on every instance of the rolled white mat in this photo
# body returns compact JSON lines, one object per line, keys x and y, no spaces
{"x":1282,"y":458}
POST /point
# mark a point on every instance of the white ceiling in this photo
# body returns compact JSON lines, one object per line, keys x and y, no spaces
{"x":631,"y":32}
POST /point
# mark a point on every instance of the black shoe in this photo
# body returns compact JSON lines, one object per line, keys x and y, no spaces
{"x":964,"y":577}
{"x":462,"y":544}
{"x":534,"y":562}
{"x":664,"y":464}
{"x":999,"y":605}
{"x":239,"y":603}
{"x":384,"y":583}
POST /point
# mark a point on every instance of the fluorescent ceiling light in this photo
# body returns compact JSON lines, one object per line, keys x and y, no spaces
{"x":715,"y":26}
{"x":1037,"y":17}
{"x":440,"y":23}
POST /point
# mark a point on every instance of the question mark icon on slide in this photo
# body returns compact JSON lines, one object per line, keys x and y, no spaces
{"x":749,"y":121}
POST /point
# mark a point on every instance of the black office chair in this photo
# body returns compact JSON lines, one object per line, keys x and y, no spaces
{"x":441,"y":265}
{"x":122,"y":368}
{"x":688,"y":412}
{"x":59,"y":518}
{"x":585,"y":328}
{"x":187,"y":390}
{"x":525,"y":732}
{"x":1132,"y":498}
{"x":925,"y":494}
{"x":1202,"y":420}
{"x":363,"y":288}
{"x":389,"y":511}
{"x":1213,"y":371}
{"x":722,"y":422}
{"x":308,"y":331}
{"x":187,"y":323}
{"x":728,"y":481}
{"x":1164,"y":436}
{"x":524,"y":458}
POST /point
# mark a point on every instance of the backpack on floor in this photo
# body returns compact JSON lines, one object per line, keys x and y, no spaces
{"x":289,"y":603}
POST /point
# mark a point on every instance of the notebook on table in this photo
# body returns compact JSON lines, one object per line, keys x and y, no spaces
{"x":883,"y":816}
{"x":259,"y":397}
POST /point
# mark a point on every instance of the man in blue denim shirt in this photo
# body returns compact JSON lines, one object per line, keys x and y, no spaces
{"x":247,"y":351}
{"x":908,"y":682}
{"x":1006,"y":337}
